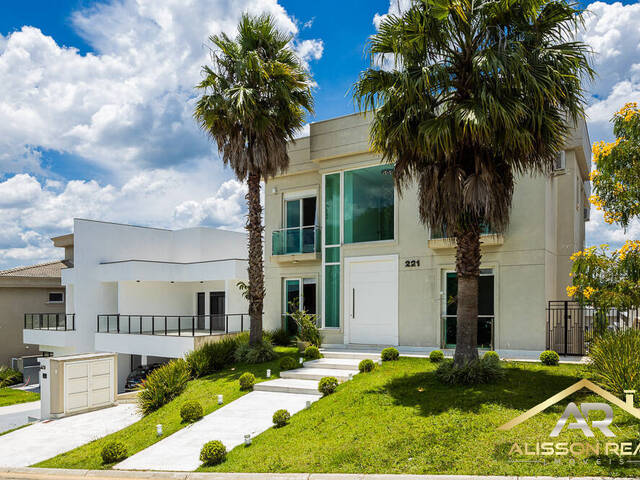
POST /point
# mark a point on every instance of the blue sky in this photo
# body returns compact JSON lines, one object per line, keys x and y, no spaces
{"x":96,"y":101}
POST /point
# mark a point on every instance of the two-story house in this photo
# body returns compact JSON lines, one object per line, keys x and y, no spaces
{"x":342,"y":243}
{"x":147,"y":294}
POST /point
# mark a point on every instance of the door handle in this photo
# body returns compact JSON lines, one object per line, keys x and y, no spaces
{"x":353,"y":303}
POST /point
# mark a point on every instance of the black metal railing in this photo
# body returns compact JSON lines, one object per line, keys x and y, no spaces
{"x":173,"y":325}
{"x":50,"y":321}
{"x":571,"y":327}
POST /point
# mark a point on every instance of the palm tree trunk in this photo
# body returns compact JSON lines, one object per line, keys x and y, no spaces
{"x":468,"y":270}
{"x":256,"y":273}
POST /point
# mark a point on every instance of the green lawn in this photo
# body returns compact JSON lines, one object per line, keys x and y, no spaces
{"x":11,"y":396}
{"x":399,"y":419}
{"x":142,"y":434}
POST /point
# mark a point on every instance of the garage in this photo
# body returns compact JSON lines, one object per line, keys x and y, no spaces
{"x":371,"y":300}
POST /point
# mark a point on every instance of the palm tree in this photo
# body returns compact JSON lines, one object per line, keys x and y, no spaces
{"x":256,"y":95}
{"x":466,"y":96}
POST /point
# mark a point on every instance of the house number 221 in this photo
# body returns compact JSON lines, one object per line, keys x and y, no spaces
{"x":411,"y":263}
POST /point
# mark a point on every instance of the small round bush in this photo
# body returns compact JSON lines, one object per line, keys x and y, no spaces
{"x":327,"y":385}
{"x":366,"y":365}
{"x":491,"y":356}
{"x":389,"y":354}
{"x":247,"y":381}
{"x":288,"y":363}
{"x":191,"y":411}
{"x":312,"y":353}
{"x":113,"y":452}
{"x":436,"y":356}
{"x":281,"y":418}
{"x":213,"y":453}
{"x":550,"y":358}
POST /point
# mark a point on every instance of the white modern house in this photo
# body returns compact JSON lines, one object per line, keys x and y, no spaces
{"x":146,"y":294}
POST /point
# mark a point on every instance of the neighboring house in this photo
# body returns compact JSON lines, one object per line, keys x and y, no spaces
{"x":341,"y":242}
{"x":148,"y":294}
{"x":28,"y":289}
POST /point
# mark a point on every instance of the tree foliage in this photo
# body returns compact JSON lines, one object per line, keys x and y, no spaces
{"x":616,"y":178}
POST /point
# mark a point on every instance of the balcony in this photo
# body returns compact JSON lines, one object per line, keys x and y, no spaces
{"x":440,"y":241}
{"x":54,"y":329}
{"x":297,"y":244}
{"x":164,"y":335}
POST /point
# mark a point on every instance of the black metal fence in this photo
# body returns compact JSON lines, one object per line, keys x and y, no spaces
{"x":571,"y":327}
{"x":180,"y":325}
{"x":50,"y":321}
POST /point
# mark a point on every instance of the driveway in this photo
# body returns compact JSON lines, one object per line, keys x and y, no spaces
{"x":46,"y":439}
{"x":13,"y":416}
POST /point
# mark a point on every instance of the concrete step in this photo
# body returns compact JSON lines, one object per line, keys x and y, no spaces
{"x":350,"y":354}
{"x":335,"y":363}
{"x":317,"y":374}
{"x":288,"y":385}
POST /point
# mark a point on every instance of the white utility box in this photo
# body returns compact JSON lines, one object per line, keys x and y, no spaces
{"x":77,"y":383}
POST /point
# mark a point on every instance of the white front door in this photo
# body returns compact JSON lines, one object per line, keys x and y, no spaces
{"x":371,"y":300}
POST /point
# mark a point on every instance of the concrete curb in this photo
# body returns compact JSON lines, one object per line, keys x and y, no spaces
{"x":69,"y":474}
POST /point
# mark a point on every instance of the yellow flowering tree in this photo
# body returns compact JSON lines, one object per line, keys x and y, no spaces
{"x":604,"y":279}
{"x":616,"y":178}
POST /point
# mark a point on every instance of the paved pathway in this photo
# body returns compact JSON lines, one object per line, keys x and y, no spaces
{"x":46,"y":439}
{"x":251,"y":414}
{"x":14,"y":416}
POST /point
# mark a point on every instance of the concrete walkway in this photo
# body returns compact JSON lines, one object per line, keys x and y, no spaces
{"x":14,"y":416}
{"x":60,"y":474}
{"x":49,"y":438}
{"x":251,"y":414}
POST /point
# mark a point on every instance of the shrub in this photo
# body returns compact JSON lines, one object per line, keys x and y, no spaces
{"x":163,"y":385}
{"x":472,"y":373}
{"x":9,"y":376}
{"x":389,"y":354}
{"x":280,"y":337}
{"x":212,"y":356}
{"x":281,"y":418}
{"x":259,"y":353}
{"x":113,"y":452}
{"x":550,"y":358}
{"x":213,"y":453}
{"x":288,"y":363}
{"x":312,"y":353}
{"x":615,"y":360}
{"x":366,"y":365}
{"x":191,"y":411}
{"x":307,"y":324}
{"x":436,"y":356}
{"x":491,"y":356}
{"x":247,"y":381}
{"x":327,"y":385}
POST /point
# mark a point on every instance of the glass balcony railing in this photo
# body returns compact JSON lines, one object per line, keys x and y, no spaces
{"x":296,"y":240}
{"x":485,"y":229}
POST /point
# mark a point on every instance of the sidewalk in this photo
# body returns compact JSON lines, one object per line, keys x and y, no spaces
{"x":55,"y":474}
{"x":14,"y":416}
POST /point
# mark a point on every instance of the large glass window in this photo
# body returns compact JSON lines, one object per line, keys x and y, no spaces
{"x":368,"y":204}
{"x":300,"y":222}
{"x":486,"y":312}
{"x":332,"y":209}
{"x":298,"y":293}
{"x":332,"y":296}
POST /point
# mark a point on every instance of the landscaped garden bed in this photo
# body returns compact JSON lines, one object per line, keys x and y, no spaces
{"x":400,"y":419}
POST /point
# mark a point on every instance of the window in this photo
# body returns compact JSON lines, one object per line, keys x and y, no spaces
{"x":368,"y":204}
{"x":300,"y":292}
{"x":331,"y":257}
{"x":300,"y":221}
{"x":56,"y":297}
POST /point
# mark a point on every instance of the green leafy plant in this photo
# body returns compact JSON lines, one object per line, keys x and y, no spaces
{"x":113,"y":452}
{"x":389,"y":354}
{"x":261,"y":352}
{"x":327,"y":385}
{"x":312,"y":353}
{"x":615,"y":360}
{"x":307,"y":324}
{"x":213,"y":453}
{"x":474,"y":372}
{"x":491,"y":356}
{"x":163,"y":385}
{"x":191,"y":411}
{"x":247,"y":381}
{"x":9,"y":376}
{"x":288,"y":363}
{"x":436,"y":356}
{"x":281,"y":418}
{"x":213,"y":356}
{"x":549,"y":358}
{"x":280,"y":337}
{"x":366,"y":365}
